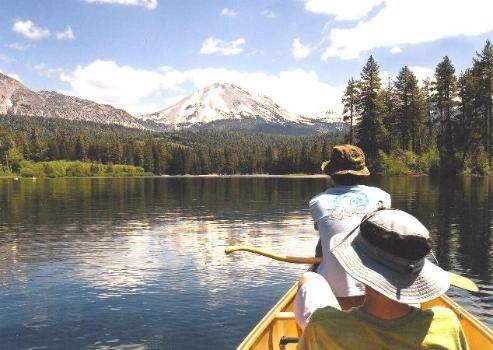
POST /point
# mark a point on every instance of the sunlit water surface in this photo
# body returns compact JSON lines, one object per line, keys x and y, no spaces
{"x":139,"y":263}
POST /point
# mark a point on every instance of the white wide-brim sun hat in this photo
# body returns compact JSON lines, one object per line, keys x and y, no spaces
{"x":397,"y":278}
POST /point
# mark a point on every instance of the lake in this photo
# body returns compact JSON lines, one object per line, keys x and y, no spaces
{"x":138,"y":263}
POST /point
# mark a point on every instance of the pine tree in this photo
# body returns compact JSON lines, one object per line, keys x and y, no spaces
{"x":389,"y":118}
{"x":445,"y":89}
{"x":349,"y":101}
{"x":410,"y":111}
{"x":468,"y":114}
{"x":81,"y":148}
{"x":426,"y":92}
{"x":483,"y":69}
{"x":370,"y":129}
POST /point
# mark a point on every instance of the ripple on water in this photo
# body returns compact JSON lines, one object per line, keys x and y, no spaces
{"x":134,"y":264}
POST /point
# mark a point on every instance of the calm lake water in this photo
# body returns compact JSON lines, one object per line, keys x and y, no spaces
{"x":139,"y":263}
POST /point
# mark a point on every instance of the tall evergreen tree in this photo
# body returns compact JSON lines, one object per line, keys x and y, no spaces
{"x":468,"y":114}
{"x":445,"y":89}
{"x":349,"y":101}
{"x":483,"y":69}
{"x":389,"y":117}
{"x":370,"y":129}
{"x":426,"y":92}
{"x":410,"y":111}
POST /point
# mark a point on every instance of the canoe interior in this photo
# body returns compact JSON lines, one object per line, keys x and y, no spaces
{"x":279,"y":322}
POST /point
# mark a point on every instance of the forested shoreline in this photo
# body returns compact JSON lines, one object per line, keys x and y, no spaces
{"x":439,"y":125}
{"x":26,"y":141}
{"x":443,"y":124}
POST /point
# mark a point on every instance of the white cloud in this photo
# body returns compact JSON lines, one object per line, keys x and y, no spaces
{"x":6,"y":58}
{"x":107,"y":82}
{"x":47,"y":72}
{"x":269,"y":14}
{"x":30,"y":30}
{"x":395,"y":49}
{"x":149,"y":4}
{"x":66,"y":34}
{"x":409,"y":22}
{"x":121,"y":86}
{"x":135,"y":90}
{"x":422,"y":73}
{"x":20,"y":47}
{"x":342,"y":10}
{"x":228,"y":12}
{"x":300,"y":50}
{"x":226,"y":48}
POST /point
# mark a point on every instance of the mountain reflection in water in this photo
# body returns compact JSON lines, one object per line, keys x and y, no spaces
{"x":139,"y":263}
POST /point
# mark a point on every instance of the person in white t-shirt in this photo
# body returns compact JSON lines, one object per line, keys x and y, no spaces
{"x":340,"y":209}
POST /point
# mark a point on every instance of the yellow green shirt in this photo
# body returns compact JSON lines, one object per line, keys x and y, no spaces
{"x":437,"y":328}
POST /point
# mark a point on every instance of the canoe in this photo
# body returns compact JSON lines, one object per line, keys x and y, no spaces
{"x":278,"y":329}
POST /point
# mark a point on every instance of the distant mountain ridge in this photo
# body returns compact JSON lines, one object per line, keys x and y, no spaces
{"x":16,"y":99}
{"x":217,"y":106}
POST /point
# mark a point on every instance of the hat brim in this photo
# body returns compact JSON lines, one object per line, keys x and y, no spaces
{"x":325,"y":167}
{"x":362,"y":172}
{"x":431,"y":282}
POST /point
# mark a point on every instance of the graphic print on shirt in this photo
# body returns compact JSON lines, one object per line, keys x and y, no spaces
{"x":347,"y":205}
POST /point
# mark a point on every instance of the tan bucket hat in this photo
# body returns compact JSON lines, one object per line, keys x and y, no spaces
{"x":346,"y":159}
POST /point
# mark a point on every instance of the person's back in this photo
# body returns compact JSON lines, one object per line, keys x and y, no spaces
{"x":436,"y":328}
{"x":341,"y":208}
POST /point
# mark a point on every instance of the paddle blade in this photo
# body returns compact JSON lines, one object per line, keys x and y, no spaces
{"x":462,"y":282}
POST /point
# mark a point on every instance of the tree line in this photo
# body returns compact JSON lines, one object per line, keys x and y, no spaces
{"x":38,"y":139}
{"x":445,"y":121}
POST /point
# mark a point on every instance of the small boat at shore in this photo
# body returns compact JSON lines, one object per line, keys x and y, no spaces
{"x":278,"y":329}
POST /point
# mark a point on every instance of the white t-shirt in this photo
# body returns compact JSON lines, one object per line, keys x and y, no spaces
{"x":339,"y":210}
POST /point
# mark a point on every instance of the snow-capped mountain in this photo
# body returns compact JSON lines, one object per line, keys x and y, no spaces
{"x":229,"y":107}
{"x":16,"y":99}
{"x":221,"y":102}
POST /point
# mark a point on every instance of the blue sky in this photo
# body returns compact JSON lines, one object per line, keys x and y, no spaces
{"x":143,"y":55}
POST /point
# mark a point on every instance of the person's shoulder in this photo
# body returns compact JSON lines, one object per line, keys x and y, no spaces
{"x":328,"y":313}
{"x":325,"y":194}
{"x":316,"y":199}
{"x":377,"y":191}
{"x":441,"y":317}
{"x":443,"y":313}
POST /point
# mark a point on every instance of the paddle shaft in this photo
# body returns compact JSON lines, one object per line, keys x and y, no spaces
{"x":455,"y":279}
{"x":279,"y":257}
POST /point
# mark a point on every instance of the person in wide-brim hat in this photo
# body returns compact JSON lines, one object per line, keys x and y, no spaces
{"x":388,"y":255}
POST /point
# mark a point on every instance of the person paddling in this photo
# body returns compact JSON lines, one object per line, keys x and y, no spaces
{"x":339,"y":209}
{"x":388,"y":256}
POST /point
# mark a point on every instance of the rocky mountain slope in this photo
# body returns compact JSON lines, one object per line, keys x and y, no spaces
{"x":16,"y":99}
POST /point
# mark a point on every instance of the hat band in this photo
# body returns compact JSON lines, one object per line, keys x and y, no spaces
{"x":391,"y":261}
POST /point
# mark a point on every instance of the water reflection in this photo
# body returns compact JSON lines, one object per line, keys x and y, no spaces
{"x":139,"y":263}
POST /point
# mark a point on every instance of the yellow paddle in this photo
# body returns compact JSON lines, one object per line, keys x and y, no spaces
{"x":455,"y":279}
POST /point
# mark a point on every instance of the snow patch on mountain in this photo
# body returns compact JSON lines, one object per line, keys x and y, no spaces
{"x":221,"y":102}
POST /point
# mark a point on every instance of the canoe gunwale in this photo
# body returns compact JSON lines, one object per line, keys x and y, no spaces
{"x":268,"y":319}
{"x":473,"y":328}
